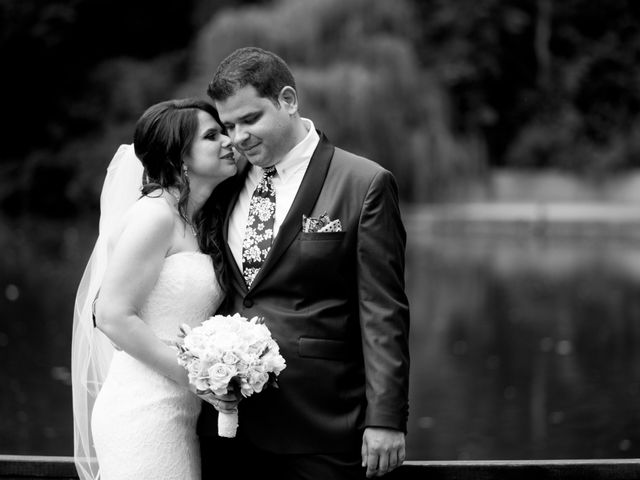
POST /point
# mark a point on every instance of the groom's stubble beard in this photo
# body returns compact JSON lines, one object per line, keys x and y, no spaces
{"x":262,"y":156}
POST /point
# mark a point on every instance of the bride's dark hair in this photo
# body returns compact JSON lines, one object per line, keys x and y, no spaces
{"x":164,"y":134}
{"x":209,"y":221}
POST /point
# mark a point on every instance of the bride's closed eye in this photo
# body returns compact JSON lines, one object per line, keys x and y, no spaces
{"x":212,"y":134}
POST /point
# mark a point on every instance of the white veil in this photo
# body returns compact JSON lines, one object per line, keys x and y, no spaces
{"x":91,"y":351}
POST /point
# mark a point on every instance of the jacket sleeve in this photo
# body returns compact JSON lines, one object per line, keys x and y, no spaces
{"x":383,"y":305}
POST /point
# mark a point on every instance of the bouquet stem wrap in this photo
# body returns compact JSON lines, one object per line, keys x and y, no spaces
{"x":227,"y":424}
{"x":230,"y":354}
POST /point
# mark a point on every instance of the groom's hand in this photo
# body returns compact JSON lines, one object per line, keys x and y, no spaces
{"x":383,"y":449}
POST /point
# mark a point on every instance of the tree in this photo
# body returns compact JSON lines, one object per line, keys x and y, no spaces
{"x":547,"y":84}
{"x":57,"y":56}
{"x":359,"y":78}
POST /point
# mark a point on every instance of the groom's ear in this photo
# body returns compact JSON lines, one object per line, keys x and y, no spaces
{"x":288,"y":99}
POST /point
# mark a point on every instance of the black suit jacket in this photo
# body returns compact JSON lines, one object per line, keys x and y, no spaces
{"x":336,"y":305}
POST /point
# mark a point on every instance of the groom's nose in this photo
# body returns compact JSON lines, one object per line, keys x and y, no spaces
{"x":240,"y":135}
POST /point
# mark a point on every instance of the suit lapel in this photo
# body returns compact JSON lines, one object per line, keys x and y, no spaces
{"x":303,"y":203}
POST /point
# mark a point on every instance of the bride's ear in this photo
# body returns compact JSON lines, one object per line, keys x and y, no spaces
{"x":288,"y":99}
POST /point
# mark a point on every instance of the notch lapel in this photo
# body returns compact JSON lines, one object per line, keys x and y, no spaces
{"x":303,"y":204}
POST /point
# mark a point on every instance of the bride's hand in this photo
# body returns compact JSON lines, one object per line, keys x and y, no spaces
{"x":222,"y":403}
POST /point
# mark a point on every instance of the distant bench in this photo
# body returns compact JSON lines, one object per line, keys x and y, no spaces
{"x":62,"y":468}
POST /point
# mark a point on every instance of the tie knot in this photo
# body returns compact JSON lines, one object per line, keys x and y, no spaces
{"x":270,"y":171}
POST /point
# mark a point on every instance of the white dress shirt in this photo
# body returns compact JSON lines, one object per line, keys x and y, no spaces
{"x":286,"y":183}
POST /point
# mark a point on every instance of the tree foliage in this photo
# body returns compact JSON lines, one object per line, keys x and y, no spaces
{"x":359,"y":79}
{"x":438,"y":91}
{"x":547,"y":84}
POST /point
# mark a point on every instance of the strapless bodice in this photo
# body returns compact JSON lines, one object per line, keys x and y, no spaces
{"x":187,"y":291}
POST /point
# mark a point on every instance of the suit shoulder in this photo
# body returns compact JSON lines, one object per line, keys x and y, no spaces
{"x":350,"y":162}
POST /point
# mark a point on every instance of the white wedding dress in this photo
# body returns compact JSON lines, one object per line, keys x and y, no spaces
{"x":144,"y":425}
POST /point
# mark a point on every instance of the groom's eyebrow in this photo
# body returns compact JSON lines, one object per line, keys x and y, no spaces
{"x":249,"y":116}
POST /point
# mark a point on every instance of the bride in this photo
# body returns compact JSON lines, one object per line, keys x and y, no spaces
{"x":152,"y":269}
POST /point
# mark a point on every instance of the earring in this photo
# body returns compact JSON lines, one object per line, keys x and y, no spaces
{"x":185,"y":171}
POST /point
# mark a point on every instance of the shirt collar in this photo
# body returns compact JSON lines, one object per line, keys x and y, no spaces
{"x":300,"y":155}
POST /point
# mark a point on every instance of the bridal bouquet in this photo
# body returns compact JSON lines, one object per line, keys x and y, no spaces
{"x":227,"y":353}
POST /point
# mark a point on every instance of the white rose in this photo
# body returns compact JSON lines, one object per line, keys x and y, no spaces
{"x":220,"y":375}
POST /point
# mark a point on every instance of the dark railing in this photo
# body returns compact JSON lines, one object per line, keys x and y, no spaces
{"x":62,"y":468}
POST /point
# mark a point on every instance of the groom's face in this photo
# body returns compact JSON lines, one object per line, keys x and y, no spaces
{"x":261,"y":130}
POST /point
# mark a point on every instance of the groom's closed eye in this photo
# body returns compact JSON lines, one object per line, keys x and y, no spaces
{"x":251,"y":119}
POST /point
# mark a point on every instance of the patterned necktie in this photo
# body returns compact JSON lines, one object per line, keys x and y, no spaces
{"x":259,"y":232}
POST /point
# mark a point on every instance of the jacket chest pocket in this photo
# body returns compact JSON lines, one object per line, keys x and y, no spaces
{"x":322,"y":255}
{"x":327,"y":246}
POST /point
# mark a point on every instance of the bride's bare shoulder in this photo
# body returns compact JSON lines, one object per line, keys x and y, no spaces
{"x":150,"y":213}
{"x":149,"y":222}
{"x":157,"y":206}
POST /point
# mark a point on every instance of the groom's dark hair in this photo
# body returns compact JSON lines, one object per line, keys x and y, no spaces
{"x":263,"y":70}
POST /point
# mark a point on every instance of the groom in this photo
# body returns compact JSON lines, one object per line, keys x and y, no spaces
{"x":316,"y":247}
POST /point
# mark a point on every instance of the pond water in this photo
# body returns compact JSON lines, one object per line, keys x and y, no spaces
{"x":522,"y":348}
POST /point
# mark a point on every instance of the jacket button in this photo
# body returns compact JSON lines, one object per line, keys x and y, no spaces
{"x":247,"y":302}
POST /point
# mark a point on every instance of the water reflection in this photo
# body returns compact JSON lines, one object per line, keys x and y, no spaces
{"x":40,"y":267}
{"x":522,"y":347}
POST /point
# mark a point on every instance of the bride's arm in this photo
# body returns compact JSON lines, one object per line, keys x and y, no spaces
{"x":134,"y":267}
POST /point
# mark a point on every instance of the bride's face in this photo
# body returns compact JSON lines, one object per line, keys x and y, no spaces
{"x":211,"y":154}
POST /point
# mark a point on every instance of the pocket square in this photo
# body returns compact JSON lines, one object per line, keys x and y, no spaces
{"x":321,"y":224}
{"x":332,"y":226}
